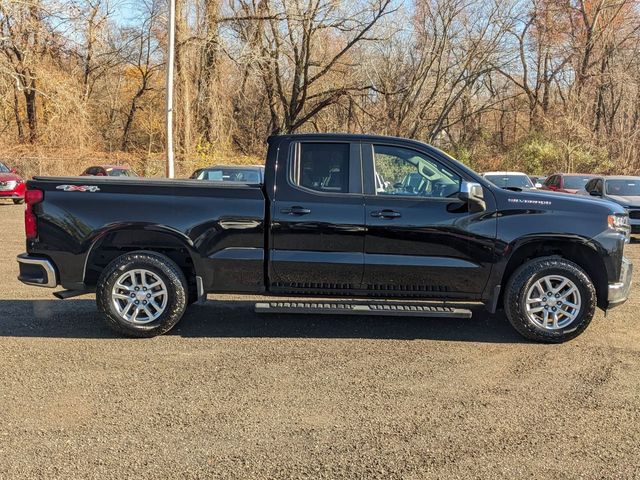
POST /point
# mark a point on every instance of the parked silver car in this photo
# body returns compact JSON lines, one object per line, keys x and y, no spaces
{"x":623,"y":190}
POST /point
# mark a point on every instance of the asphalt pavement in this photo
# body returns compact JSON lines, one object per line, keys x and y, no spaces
{"x":232,"y":394}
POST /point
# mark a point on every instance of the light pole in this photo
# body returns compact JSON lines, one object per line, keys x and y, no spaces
{"x":170,"y":54}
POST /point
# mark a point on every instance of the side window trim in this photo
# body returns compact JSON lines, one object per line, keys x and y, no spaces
{"x":355,"y":168}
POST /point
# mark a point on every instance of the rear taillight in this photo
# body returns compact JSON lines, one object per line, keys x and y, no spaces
{"x":31,"y":197}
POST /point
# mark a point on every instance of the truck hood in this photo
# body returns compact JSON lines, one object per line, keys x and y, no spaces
{"x":542,"y":199}
{"x":625,"y":200}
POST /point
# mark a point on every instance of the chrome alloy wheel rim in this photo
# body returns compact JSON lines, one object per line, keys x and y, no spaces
{"x":553,"y":302}
{"x":139,"y":296}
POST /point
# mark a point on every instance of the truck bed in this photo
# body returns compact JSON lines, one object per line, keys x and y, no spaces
{"x":220,"y":226}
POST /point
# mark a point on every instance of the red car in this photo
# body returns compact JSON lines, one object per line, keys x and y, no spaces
{"x":12,"y":186}
{"x":566,"y":182}
{"x":109,"y":171}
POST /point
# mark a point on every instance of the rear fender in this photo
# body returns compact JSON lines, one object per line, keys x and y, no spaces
{"x":142,"y":236}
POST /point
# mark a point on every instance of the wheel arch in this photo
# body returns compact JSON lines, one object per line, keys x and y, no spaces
{"x":117,"y":240}
{"x":579,"y":251}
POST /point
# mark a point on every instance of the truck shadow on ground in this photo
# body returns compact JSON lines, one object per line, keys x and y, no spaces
{"x":226,"y":319}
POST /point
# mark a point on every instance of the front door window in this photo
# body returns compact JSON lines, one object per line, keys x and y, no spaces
{"x":404,"y":172}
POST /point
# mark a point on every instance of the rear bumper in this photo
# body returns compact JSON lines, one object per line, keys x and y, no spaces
{"x":37,"y":271}
{"x":619,"y":291}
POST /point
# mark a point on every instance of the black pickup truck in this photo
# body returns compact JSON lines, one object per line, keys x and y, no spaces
{"x":388,"y":221}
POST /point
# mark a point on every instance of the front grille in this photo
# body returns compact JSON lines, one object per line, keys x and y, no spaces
{"x":635,"y":214}
{"x":8,"y":185}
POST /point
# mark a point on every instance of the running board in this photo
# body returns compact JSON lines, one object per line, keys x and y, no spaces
{"x":64,"y":294}
{"x":349,"y":308}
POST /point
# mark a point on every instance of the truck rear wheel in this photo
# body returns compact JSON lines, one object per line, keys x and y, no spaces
{"x":550,"y":300}
{"x":142,"y":294}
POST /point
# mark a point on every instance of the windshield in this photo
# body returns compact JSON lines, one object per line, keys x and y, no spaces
{"x":511,"y":181}
{"x":624,"y":188}
{"x":575,"y":183}
{"x":230,"y":175}
{"x":120,"y":172}
{"x":4,"y":168}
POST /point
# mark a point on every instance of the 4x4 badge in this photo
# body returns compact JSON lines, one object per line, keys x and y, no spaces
{"x":78,"y":188}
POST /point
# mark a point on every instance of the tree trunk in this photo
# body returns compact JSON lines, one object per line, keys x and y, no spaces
{"x":16,"y":112}
{"x":124,"y":145}
{"x":30,"y":97}
{"x":208,"y":86}
{"x":183,"y":83}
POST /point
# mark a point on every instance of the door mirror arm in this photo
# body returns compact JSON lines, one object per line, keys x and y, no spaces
{"x":595,"y":193}
{"x":472,"y":194}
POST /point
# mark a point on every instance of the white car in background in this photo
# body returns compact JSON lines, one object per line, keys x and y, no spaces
{"x":510,"y":180}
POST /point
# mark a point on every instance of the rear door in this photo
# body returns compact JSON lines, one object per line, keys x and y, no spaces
{"x":421,"y":239}
{"x":317,"y":219}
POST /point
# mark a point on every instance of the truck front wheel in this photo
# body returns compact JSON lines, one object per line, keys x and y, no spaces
{"x":550,"y":300}
{"x":142,"y":294}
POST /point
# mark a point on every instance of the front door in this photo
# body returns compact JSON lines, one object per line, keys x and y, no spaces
{"x":421,"y":239}
{"x":317,"y":227}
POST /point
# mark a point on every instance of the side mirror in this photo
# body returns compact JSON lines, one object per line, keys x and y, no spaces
{"x":14,"y":170}
{"x":595,"y":193}
{"x":397,"y":185}
{"x":473,"y":195}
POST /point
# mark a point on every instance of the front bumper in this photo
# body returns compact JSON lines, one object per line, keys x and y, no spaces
{"x":15,"y":193}
{"x":619,"y":291}
{"x":11,"y":195}
{"x":37,"y":271}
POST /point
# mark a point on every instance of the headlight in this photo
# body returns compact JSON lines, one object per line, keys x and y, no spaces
{"x":620,"y":223}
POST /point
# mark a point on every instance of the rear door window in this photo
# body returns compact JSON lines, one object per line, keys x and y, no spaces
{"x":323,"y":167}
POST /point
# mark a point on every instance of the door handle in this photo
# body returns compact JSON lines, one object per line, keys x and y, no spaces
{"x":295,"y":211}
{"x":388,"y":214}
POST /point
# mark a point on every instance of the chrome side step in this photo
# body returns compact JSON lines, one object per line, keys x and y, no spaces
{"x":358,"y":308}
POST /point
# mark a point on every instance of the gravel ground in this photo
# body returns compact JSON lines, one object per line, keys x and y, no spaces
{"x":229,"y":394}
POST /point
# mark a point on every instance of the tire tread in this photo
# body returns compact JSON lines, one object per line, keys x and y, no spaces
{"x":516,"y":290}
{"x":177,"y":285}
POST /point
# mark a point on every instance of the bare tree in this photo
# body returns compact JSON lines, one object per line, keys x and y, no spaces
{"x":305,"y":53}
{"x":23,"y":43}
{"x":143,"y":62}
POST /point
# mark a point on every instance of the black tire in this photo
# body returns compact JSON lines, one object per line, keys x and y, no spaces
{"x":524,"y":277}
{"x":18,"y":201}
{"x":162,"y":267}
